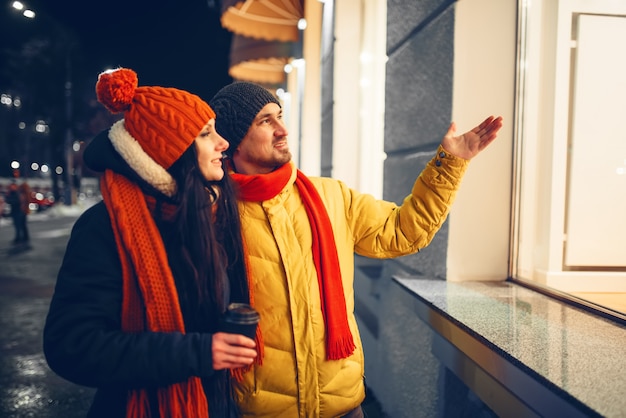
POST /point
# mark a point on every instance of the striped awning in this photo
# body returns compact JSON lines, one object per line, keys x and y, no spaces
{"x":272,"y":20}
{"x":259,"y":61}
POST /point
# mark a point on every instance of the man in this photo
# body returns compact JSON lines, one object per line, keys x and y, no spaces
{"x":19,"y":199}
{"x":301,"y":235}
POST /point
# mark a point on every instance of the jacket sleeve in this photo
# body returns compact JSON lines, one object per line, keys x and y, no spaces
{"x":383,"y":229}
{"x":83,"y":341}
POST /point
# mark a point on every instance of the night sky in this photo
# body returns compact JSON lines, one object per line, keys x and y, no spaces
{"x":169,"y":43}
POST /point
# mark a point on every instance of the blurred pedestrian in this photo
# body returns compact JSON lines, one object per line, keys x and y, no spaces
{"x":19,"y":199}
{"x":2,"y":202}
{"x":149,"y":271}
{"x":302,"y":233}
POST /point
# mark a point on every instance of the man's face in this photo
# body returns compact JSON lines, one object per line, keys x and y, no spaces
{"x":265,"y":147}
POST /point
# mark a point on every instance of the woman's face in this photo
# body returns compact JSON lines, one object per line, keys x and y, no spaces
{"x":210,"y":146}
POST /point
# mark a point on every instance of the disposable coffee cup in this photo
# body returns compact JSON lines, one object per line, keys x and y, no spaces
{"x":240,"y":318}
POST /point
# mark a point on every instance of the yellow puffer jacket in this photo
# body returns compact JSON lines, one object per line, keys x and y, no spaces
{"x":295,"y":379}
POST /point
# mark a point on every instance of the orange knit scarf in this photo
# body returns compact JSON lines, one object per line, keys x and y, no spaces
{"x":257,"y":188}
{"x":150,"y":300}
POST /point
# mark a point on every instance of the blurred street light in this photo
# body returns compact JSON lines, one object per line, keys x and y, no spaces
{"x":18,"y":5}
{"x":41,"y":126}
{"x":63,"y":38}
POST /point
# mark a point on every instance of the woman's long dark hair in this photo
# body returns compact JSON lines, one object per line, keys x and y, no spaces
{"x":206,"y":256}
{"x":207,"y":234}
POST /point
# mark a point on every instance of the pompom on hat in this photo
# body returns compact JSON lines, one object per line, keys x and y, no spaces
{"x":159,"y":124}
{"x":236,"y":105}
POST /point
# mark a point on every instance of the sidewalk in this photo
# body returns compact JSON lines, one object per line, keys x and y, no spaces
{"x":28,"y":388}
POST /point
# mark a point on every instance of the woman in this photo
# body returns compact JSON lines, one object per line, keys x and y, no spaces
{"x":148,"y":271}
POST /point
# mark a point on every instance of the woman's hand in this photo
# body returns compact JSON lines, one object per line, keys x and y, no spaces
{"x":231,"y":351}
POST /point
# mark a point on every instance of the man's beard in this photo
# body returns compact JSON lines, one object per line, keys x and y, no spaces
{"x":277,"y":159}
{"x":284,"y":158}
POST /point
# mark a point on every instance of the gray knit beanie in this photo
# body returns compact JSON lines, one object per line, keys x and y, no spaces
{"x":236,"y":106}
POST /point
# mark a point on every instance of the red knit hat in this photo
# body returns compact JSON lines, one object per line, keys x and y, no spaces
{"x":164,"y":121}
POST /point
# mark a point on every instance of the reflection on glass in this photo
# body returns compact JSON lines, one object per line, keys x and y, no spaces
{"x":569,"y":233}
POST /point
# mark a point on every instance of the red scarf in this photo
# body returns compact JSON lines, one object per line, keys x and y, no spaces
{"x":150,"y":300}
{"x":260,"y":187}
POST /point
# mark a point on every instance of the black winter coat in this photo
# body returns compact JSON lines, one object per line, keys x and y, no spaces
{"x":83,"y":341}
